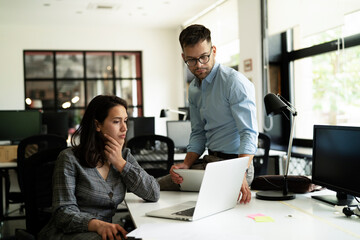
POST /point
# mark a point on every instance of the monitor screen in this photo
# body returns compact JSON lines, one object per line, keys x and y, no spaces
{"x":179,"y":132}
{"x":336,"y":162}
{"x":56,"y":123}
{"x":17,"y":125}
{"x":140,"y":126}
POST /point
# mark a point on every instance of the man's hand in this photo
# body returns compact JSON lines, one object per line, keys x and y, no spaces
{"x":176,"y":178}
{"x":245,"y":193}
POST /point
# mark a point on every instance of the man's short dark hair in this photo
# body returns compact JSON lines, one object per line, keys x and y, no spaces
{"x":194,"y":34}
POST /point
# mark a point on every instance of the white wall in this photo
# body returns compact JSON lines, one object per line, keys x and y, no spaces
{"x":162,"y":68}
{"x":249,"y":12}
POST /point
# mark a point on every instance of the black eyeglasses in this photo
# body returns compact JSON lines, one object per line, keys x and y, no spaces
{"x":203,"y":60}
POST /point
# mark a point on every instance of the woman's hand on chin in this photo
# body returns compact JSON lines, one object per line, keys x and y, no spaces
{"x":113,"y":152}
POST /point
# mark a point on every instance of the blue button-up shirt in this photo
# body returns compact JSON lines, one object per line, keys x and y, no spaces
{"x":223,"y":113}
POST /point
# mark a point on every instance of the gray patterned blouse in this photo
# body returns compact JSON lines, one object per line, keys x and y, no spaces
{"x":81,"y":194}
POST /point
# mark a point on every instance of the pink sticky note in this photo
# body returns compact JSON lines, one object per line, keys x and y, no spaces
{"x":252,"y":216}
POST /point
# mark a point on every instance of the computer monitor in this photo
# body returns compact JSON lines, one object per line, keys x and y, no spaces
{"x":336,"y":162}
{"x":140,"y":126}
{"x":17,"y":125}
{"x":56,"y":123}
{"x":179,"y":132}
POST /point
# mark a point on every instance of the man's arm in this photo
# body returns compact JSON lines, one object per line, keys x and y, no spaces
{"x":245,"y":193}
{"x":190,"y":158}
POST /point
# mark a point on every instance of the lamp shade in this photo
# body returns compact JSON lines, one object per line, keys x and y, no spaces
{"x":163,"y":113}
{"x":273,"y":104}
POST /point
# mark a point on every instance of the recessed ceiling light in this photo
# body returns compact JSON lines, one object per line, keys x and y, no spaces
{"x":105,"y":7}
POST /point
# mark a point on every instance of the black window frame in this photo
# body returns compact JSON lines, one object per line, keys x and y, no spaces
{"x":85,"y":79}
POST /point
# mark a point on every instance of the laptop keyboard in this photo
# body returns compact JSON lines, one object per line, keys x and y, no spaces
{"x":187,"y":212}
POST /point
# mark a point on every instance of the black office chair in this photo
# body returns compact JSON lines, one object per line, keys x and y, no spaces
{"x":37,"y":188}
{"x":261,"y":158}
{"x":26,"y":148}
{"x":155,"y":153}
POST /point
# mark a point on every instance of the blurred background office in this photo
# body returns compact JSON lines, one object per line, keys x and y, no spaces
{"x":84,"y":48}
{"x":58,"y":54}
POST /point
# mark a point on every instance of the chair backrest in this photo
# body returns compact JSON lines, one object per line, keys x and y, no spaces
{"x":155,"y":153}
{"x":34,"y":144}
{"x":261,"y":159}
{"x":37,"y":188}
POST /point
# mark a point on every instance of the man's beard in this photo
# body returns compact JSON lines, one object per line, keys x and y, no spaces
{"x":202,"y":75}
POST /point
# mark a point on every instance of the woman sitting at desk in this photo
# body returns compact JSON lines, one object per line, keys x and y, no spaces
{"x":91,"y":179}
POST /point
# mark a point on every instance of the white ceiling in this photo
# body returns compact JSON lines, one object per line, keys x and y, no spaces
{"x":133,"y":13}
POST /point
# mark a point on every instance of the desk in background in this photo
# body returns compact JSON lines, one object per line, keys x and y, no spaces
{"x":4,"y":175}
{"x":301,"y":218}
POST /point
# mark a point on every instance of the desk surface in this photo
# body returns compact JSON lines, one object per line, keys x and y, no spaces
{"x":301,"y":218}
{"x":8,"y":165}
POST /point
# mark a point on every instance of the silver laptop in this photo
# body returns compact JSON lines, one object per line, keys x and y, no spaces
{"x":219,"y":191}
{"x":192,"y":179}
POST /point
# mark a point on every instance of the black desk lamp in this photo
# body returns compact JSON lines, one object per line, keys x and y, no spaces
{"x":163,"y":113}
{"x":275,"y":104}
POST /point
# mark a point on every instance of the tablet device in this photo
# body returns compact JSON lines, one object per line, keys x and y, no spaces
{"x":192,"y":179}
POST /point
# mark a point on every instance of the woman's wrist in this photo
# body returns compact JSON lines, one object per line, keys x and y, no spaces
{"x":119,"y":165}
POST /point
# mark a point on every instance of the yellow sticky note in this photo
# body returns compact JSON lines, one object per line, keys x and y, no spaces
{"x":264,"y":219}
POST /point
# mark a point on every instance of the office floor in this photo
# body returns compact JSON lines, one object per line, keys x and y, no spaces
{"x":7,"y":228}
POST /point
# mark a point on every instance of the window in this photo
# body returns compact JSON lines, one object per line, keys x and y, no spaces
{"x":68,"y":80}
{"x":327,"y":90}
{"x":317,"y":62}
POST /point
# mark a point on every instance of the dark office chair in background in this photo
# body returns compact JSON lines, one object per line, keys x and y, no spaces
{"x":155,"y":153}
{"x":26,"y":148}
{"x":261,"y":159}
{"x":37,"y":187}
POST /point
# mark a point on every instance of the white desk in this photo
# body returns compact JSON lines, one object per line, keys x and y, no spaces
{"x":301,"y":218}
{"x":179,"y":157}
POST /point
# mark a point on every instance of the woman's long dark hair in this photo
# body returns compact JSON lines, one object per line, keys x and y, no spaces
{"x":90,"y":150}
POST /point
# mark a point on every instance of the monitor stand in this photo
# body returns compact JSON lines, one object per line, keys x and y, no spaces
{"x":341,"y":199}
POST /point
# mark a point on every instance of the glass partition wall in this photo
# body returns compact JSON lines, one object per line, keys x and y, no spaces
{"x":68,"y":80}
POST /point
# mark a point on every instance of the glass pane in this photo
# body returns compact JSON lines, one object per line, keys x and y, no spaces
{"x":127,"y":65}
{"x":69,"y":65}
{"x":134,"y":112}
{"x":98,"y":87}
{"x":328,"y":88}
{"x":130,"y":90}
{"x":70,"y":94}
{"x":324,"y":21}
{"x":75,"y":117}
{"x":39,"y":65}
{"x":99,"y":65}
{"x":39,"y":94}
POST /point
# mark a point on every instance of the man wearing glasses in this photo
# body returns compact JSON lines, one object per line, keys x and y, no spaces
{"x":222,"y":110}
